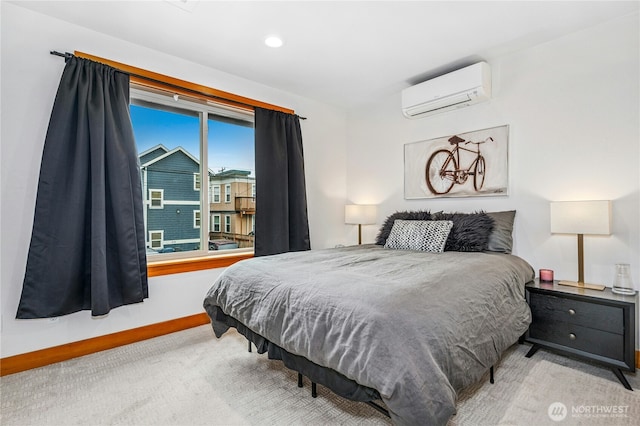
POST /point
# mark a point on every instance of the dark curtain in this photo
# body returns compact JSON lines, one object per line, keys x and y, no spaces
{"x":87,"y":246}
{"x":281,"y":200}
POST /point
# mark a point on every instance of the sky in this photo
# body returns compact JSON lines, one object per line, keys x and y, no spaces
{"x":230,"y":146}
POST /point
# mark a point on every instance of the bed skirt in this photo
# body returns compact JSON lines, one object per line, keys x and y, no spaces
{"x":336,"y":382}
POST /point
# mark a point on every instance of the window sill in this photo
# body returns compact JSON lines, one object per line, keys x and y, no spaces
{"x":167,"y":267}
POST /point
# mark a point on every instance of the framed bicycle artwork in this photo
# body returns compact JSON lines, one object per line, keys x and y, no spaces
{"x":471,"y":164}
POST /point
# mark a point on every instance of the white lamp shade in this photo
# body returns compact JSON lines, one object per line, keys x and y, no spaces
{"x":360,"y":214}
{"x":581,"y":217}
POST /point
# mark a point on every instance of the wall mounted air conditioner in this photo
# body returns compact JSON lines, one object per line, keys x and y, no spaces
{"x":457,"y":89}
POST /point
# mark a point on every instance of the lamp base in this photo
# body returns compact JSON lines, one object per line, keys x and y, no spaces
{"x":582,"y":285}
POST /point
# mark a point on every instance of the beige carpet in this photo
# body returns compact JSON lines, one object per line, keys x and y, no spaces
{"x":191,"y":378}
{"x":576,"y":399}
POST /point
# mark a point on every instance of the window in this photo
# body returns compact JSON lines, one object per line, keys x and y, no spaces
{"x":227,"y":193}
{"x":253,"y":190}
{"x":156,"y":239}
{"x":216,"y":194}
{"x":188,"y":150}
{"x":159,"y":84}
{"x":196,"y":218}
{"x":156,"y":197}
{"x":196,"y":182}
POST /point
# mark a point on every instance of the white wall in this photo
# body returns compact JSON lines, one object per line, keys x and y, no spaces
{"x":573,"y":109}
{"x":572,"y":104}
{"x":30,"y":78}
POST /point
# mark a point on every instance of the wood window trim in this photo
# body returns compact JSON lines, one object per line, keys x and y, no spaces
{"x":182,"y":87}
{"x":177,"y":266}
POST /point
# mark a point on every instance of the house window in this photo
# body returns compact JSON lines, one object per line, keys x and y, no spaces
{"x":189,"y":150}
{"x":253,"y":190}
{"x":216,"y":194}
{"x":227,"y":224}
{"x":196,"y":182}
{"x":196,"y":218}
{"x":156,"y":197}
{"x":156,"y":239}
{"x":227,"y":193}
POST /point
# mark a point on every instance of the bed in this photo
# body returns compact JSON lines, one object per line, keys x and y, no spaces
{"x":408,"y":327}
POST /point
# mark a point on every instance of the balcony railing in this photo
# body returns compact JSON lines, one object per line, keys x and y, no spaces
{"x":243,"y":241}
{"x":245,"y":205}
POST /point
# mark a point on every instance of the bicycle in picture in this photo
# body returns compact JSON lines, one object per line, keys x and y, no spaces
{"x":444,"y":168}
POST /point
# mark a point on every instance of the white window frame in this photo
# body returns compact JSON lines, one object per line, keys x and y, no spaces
{"x":151,"y":199}
{"x":151,"y":239}
{"x":227,"y":223}
{"x":253,"y":190}
{"x":219,"y":224}
{"x":216,"y":197}
{"x":206,"y":111}
{"x":197,"y":219}
{"x":197,"y":183}
{"x":227,"y":193}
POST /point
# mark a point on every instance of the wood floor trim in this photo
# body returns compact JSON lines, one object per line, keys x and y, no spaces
{"x":40,"y":358}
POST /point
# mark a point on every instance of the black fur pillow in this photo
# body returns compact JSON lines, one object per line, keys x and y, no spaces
{"x":470,"y":231}
{"x":385,"y":230}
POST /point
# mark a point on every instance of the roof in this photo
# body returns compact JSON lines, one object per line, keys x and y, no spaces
{"x":233,"y":173}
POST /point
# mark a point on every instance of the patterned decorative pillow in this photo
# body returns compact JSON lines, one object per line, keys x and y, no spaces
{"x":385,"y":230}
{"x":423,"y":235}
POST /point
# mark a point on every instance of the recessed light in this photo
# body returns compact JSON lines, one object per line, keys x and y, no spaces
{"x":273,"y":41}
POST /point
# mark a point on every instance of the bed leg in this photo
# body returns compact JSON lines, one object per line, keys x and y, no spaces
{"x":299,"y":380}
{"x":314,"y":390}
{"x":491,"y":374}
{"x":379,"y":408}
{"x":249,"y":342}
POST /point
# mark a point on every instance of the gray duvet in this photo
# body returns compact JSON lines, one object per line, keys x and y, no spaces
{"x":415,"y":326}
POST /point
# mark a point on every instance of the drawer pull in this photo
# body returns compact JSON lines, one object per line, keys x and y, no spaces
{"x":572,"y":336}
{"x":572,"y":312}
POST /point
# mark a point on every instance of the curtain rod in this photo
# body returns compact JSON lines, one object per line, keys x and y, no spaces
{"x":68,"y":56}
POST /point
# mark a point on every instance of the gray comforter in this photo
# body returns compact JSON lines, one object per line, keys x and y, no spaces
{"x":415,"y":326}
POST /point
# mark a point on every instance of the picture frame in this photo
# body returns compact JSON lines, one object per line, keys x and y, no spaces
{"x":469,"y":164}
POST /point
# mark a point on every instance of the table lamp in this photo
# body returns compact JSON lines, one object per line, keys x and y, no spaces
{"x":581,"y":217}
{"x":358,"y":214}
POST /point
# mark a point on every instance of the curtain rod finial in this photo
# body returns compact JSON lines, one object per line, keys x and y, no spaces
{"x":65,"y":55}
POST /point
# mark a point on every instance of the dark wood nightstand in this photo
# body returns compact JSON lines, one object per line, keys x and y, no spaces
{"x":596,"y":325}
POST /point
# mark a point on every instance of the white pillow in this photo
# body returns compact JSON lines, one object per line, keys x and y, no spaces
{"x":422,"y":235}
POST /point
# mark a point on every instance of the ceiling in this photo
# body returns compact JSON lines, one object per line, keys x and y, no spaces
{"x":343,"y":53}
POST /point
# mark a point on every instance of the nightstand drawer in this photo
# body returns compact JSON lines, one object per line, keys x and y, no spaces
{"x":597,"y":342}
{"x":586,"y":314}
